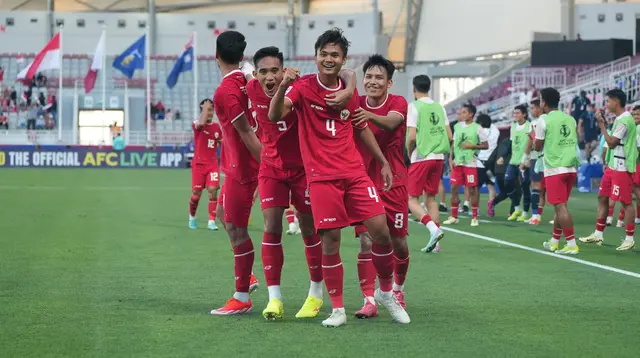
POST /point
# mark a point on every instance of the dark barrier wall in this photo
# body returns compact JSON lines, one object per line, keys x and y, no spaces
{"x":596,"y":52}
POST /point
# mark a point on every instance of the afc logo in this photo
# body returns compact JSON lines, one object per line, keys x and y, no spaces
{"x":565,"y":131}
{"x":463,"y":137}
{"x":516,"y":140}
{"x":434,"y":119}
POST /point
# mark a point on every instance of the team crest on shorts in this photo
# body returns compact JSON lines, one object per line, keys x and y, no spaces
{"x":344,"y":114}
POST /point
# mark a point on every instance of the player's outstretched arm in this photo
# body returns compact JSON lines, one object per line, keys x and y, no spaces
{"x":389,"y":122}
{"x":369,"y":140}
{"x":248,"y":136}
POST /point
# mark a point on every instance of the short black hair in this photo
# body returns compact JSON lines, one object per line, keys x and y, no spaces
{"x":205,"y":101}
{"x":422,"y":83}
{"x":230,"y":47}
{"x":550,"y":96}
{"x":333,"y":36}
{"x":379,"y":61}
{"x":471,"y":108}
{"x":618,"y":94}
{"x":484,"y":120}
{"x":522,"y":108}
{"x":535,"y":102}
{"x":270,"y":51}
{"x":636,"y":108}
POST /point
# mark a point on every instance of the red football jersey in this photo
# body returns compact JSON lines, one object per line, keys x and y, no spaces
{"x":280,"y":144}
{"x":391,"y":142}
{"x":230,"y":103}
{"x":326,"y":135}
{"x":206,"y":141}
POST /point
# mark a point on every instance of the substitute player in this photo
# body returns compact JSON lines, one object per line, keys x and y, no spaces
{"x":240,"y":155}
{"x":282,"y":181}
{"x":535,"y":166}
{"x":428,"y":140}
{"x":556,"y":133}
{"x":385,"y":114}
{"x":341,"y":192}
{"x":622,"y":158}
{"x":204,"y":166}
{"x":469,"y":137}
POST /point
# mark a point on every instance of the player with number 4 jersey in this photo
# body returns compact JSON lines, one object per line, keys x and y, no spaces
{"x":341,"y":192}
{"x":386,"y":115}
{"x":282,"y":181}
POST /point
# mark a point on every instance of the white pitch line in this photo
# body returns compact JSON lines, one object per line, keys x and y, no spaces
{"x":542,"y":252}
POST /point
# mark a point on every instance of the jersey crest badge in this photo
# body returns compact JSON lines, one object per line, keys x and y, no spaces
{"x":344,"y":114}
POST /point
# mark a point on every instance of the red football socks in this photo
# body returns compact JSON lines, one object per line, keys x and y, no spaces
{"x":243,"y":264}
{"x":333,"y":273}
{"x":290,"y":215}
{"x":313,"y":253}
{"x":601,"y":224}
{"x":213,"y":204}
{"x":401,"y":267}
{"x":454,"y":209}
{"x":193,"y":204}
{"x":366,"y":274}
{"x":382,"y":256}
{"x":272,"y":258}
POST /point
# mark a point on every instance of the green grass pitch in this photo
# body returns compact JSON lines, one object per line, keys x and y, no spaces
{"x":100,"y":263}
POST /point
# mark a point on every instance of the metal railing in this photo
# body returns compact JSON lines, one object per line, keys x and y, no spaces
{"x":603,"y":70}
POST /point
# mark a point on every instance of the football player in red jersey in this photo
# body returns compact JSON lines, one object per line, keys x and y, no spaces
{"x":386,"y":115}
{"x":282,"y":181}
{"x":240,"y":157}
{"x":340,"y":190}
{"x":204,"y":166}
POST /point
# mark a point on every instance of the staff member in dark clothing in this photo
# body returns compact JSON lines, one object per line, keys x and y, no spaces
{"x":579,"y":105}
{"x":588,"y":130}
{"x":500,"y":170}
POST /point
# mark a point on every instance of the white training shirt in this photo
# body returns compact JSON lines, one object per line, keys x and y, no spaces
{"x":541,"y":128}
{"x":412,"y":121}
{"x":492,"y":138}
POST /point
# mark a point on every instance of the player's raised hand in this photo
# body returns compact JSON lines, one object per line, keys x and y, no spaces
{"x":338,"y":100}
{"x":206,"y":106}
{"x":600,"y":118}
{"x":290,"y":75}
{"x":361,"y":116}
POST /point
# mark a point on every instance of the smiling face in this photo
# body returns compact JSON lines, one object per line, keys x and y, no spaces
{"x":636,"y":116}
{"x":269,"y":74}
{"x":330,"y":59}
{"x":376,"y":82}
{"x":518,"y":116}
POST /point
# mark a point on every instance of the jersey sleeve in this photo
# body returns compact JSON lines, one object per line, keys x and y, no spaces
{"x":483,"y":136}
{"x":412,"y":116}
{"x":541,"y":126}
{"x":399,"y":106}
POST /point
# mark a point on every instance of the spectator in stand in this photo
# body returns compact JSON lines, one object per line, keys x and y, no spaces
{"x":579,"y":105}
{"x":177,"y":115}
{"x":32,"y":115}
{"x":168,"y":116}
{"x":4,"y":121}
{"x":1,"y":74}
{"x":42,"y":99}
{"x":578,"y":38}
{"x":41,"y":80}
{"x":588,"y":130}
{"x":13,"y":98}
{"x":118,"y":143}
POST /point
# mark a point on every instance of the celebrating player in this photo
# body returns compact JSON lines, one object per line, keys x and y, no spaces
{"x":385,"y":113}
{"x":282,"y":181}
{"x":556,"y":133}
{"x":469,"y":136}
{"x":204,"y":166}
{"x":341,"y":192}
{"x":240,"y":155}
{"x":428,"y":140}
{"x":622,"y":158}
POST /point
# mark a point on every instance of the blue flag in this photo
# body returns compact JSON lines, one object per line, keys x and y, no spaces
{"x":132,"y":58}
{"x":184,"y":63}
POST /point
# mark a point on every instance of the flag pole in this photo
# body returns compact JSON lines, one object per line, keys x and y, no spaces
{"x":59,"y":96}
{"x":104,"y":72}
{"x":195,"y":75}
{"x":148,"y":68}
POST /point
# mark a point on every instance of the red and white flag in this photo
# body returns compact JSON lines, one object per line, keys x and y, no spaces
{"x":96,"y":65}
{"x":47,"y":59}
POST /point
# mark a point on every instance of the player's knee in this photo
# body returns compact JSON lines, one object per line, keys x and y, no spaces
{"x":213,"y":193}
{"x":330,"y":241}
{"x":400,"y":246}
{"x":272,"y":226}
{"x":378,"y":230}
{"x":196,"y":193}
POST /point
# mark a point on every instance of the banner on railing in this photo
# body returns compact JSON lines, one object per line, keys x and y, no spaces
{"x":88,"y":157}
